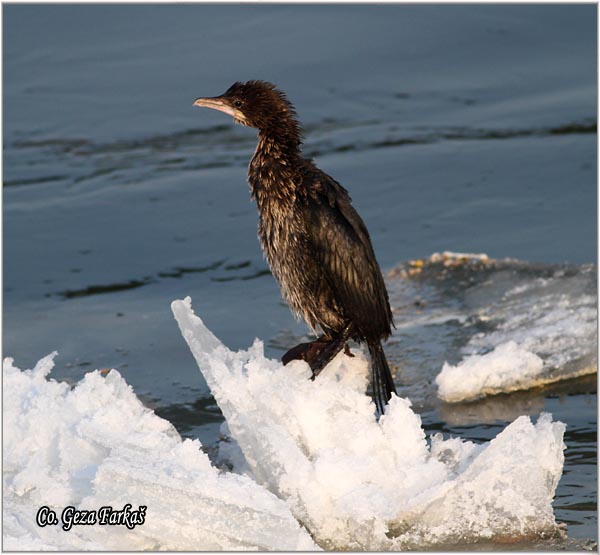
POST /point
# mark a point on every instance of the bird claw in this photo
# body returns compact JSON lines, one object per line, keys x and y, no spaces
{"x":316,"y":353}
{"x":309,"y":352}
{"x":320,"y":352}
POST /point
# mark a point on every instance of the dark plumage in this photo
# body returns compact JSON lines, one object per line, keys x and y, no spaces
{"x":315,"y":242}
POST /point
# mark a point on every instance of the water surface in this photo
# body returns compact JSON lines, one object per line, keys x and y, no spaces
{"x":469,"y":128}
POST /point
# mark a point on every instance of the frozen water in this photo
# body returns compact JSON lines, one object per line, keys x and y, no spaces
{"x":544,"y":331}
{"x":313,"y":457}
{"x":509,"y":367}
{"x":554,"y":316}
{"x":356,"y":483}
{"x":97,"y":445}
{"x":491,"y":326}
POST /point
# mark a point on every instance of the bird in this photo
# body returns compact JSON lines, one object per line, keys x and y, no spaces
{"x":316,"y":244}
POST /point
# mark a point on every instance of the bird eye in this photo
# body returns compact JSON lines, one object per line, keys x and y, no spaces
{"x":238,"y":103}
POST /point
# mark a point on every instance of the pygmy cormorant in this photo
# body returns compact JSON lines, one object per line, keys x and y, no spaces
{"x":315,"y":242}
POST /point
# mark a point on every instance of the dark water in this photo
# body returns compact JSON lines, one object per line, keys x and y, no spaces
{"x":466,"y":128}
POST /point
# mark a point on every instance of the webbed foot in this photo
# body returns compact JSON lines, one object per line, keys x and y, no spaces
{"x":308,"y":352}
{"x":320,"y":352}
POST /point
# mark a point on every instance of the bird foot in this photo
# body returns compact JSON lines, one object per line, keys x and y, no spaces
{"x":317,"y":354}
{"x":308,"y":352}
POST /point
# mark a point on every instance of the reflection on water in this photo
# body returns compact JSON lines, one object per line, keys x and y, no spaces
{"x":506,"y":408}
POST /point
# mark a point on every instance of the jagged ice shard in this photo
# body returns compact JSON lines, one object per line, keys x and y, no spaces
{"x":97,"y":445}
{"x":356,"y":483}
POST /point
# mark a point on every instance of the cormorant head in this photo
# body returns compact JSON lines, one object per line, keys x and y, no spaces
{"x":261,"y":105}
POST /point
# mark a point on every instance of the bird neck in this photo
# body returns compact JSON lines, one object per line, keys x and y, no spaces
{"x":278,"y":146}
{"x":282,"y":137}
{"x":273,"y":168}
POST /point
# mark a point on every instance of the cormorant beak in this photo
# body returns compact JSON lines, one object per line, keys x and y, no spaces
{"x":216,"y":103}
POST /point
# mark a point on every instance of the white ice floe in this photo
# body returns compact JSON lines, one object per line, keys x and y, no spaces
{"x":506,"y":368}
{"x":509,"y":367}
{"x":544,"y":330}
{"x":356,"y":483}
{"x":319,"y":470}
{"x":97,"y":445}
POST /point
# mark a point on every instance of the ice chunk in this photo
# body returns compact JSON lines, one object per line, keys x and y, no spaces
{"x":356,"y":483}
{"x":509,"y":367}
{"x":474,"y":304}
{"x":449,"y":258}
{"x":505,"y":492}
{"x":544,"y":316}
{"x":97,"y":445}
{"x":353,"y":482}
{"x":543,"y":330}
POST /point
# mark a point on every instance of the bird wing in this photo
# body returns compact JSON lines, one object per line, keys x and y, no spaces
{"x":341,"y":243}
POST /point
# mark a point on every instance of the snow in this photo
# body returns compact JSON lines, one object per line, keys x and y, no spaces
{"x":97,"y":445}
{"x":312,"y":466}
{"x":356,"y":483}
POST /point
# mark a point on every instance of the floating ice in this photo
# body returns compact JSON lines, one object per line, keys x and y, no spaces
{"x":331,"y":468}
{"x":509,"y":367}
{"x":516,"y":325}
{"x":97,"y":445}
{"x":554,"y":317}
{"x":544,"y":330}
{"x":356,"y":483}
{"x":450,"y":258}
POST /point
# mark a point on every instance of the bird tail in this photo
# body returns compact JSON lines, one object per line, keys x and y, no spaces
{"x":383,"y":383}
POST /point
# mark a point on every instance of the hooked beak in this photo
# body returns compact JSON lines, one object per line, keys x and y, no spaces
{"x":216,"y":103}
